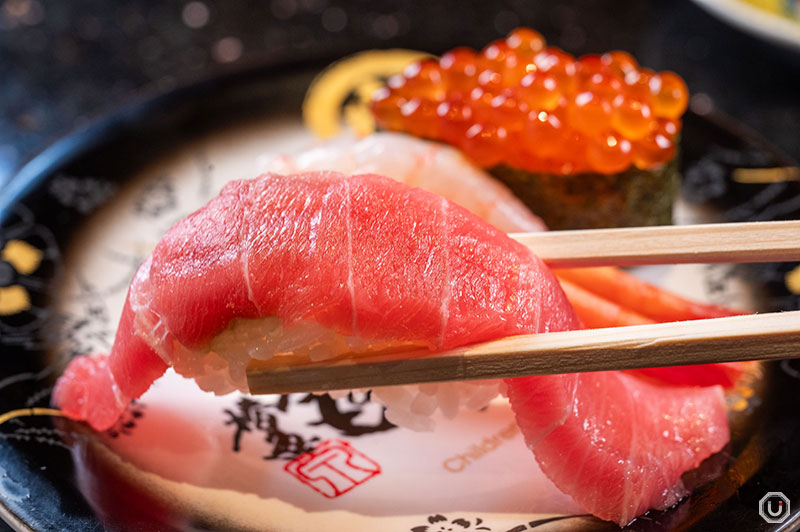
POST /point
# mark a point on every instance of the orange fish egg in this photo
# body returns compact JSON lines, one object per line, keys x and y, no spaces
{"x":386,"y":108}
{"x":508,"y":110}
{"x":621,"y":63}
{"x":544,"y":134}
{"x":523,"y":103}
{"x":455,"y":117}
{"x":525,"y":42}
{"x":652,"y":150}
{"x":459,"y":69}
{"x":668,"y":126}
{"x":539,"y":90}
{"x":420,"y":117}
{"x":424,"y":79}
{"x":491,"y":80}
{"x":631,"y":117}
{"x":589,"y":113}
{"x":497,"y":56}
{"x":484,"y":143}
{"x":609,"y":154}
{"x":670,"y":95}
{"x":637,"y":84}
{"x":603,"y":84}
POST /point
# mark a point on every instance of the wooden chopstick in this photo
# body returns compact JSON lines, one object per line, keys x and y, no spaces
{"x":671,"y":244}
{"x":755,"y":337}
{"x":730,"y":339}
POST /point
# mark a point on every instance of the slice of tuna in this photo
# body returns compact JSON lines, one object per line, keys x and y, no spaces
{"x":616,"y":443}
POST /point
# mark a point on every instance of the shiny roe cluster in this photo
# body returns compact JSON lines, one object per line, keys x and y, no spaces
{"x":535,"y":107}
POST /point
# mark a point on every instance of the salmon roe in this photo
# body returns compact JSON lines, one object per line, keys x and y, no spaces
{"x":525,"y":104}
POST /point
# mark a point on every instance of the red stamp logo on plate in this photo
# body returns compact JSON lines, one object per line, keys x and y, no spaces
{"x":333,"y":468}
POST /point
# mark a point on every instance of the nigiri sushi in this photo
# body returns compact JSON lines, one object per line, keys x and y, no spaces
{"x":320,"y":264}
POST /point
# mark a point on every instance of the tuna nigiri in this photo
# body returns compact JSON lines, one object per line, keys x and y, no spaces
{"x":317,"y":264}
{"x":320,"y":264}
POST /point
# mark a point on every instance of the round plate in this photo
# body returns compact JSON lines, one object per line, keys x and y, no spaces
{"x":783,"y":31}
{"x":79,"y":217}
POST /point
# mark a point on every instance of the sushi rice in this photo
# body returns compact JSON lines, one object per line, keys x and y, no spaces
{"x":222,"y":368}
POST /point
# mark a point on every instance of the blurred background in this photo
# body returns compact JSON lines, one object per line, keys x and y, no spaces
{"x":63,"y":63}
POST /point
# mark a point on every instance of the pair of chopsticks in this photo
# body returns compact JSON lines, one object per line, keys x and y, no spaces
{"x":753,"y":337}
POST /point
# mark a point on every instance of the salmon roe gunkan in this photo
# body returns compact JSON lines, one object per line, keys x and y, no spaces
{"x":535,"y":107}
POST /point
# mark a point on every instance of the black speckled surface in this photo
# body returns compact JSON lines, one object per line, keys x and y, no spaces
{"x":62,"y":62}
